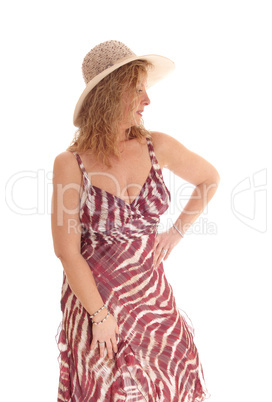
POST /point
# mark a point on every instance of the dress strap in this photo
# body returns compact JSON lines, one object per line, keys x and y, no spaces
{"x":152,"y":155}
{"x":80,"y":163}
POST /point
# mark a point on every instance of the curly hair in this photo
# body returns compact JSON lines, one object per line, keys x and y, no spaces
{"x":103,"y":111}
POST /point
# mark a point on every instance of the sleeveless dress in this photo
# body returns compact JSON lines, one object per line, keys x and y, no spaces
{"x":157,"y":360}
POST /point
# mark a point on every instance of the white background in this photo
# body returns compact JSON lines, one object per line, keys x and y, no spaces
{"x":217,"y":103}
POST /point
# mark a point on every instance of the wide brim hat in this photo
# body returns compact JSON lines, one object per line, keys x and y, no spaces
{"x":106,"y":57}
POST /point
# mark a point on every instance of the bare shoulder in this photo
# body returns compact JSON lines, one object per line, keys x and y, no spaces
{"x":183,"y":162}
{"x":164,"y":145}
{"x":160,"y":139}
{"x":65,"y":157}
{"x":66,"y":169}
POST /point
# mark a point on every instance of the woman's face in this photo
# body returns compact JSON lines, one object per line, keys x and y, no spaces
{"x":134,"y":103}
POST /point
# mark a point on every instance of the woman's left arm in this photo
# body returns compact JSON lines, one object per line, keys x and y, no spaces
{"x":193,"y":169}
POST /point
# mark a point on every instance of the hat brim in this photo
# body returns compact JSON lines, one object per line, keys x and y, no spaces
{"x":162,"y":67}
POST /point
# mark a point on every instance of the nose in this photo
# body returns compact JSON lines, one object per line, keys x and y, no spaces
{"x":146,"y":100}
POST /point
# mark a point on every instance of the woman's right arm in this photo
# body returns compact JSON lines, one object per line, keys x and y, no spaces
{"x":66,"y":232}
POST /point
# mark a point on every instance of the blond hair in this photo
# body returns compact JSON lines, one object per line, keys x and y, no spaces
{"x":102,"y":113}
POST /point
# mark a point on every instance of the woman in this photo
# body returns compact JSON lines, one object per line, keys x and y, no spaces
{"x":122,"y":336}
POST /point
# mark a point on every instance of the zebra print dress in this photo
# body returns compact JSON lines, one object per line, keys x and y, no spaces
{"x":157,"y":360}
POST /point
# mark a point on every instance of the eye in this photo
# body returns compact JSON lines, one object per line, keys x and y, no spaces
{"x":139,"y":91}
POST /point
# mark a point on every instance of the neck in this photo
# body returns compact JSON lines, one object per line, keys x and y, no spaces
{"x":123,"y":135}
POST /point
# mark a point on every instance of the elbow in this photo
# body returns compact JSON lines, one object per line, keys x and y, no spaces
{"x":216,"y":177}
{"x":60,"y":256}
{"x":58,"y":253}
{"x":212,"y":181}
{"x":68,"y":258}
{"x":66,"y":252}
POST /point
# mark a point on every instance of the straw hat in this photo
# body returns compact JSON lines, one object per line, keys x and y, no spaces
{"x":106,"y":57}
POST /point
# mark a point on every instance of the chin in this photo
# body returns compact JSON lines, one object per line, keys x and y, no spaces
{"x":138,"y":121}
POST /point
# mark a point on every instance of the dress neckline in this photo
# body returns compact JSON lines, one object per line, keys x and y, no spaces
{"x":149,"y":176}
{"x":129,"y":204}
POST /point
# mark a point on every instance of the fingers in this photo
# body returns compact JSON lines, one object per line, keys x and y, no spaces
{"x":157,"y":240}
{"x":102,"y":348}
{"x":109,"y":344}
{"x":109,"y":349}
{"x":160,"y":252}
{"x":163,"y":245}
{"x":159,"y":255}
{"x":166,"y":255}
{"x":114,"y":345}
{"x":104,"y":337}
{"x":93,"y":343}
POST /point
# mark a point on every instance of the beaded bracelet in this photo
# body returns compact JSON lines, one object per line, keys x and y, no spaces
{"x":100,"y":322}
{"x":98,"y":311}
{"x":178,"y":231}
